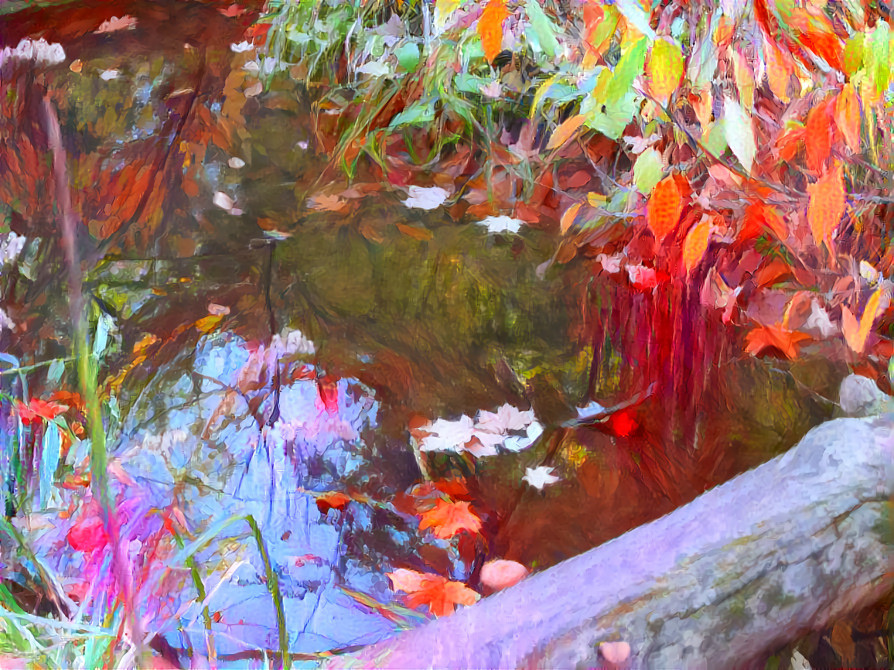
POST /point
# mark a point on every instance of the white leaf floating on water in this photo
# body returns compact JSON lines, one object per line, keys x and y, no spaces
{"x":739,"y":132}
{"x":108,"y":75}
{"x":224,"y":201}
{"x":501,"y":224}
{"x":540,"y":476}
{"x":241,"y":47}
{"x":236,"y":163}
{"x":40,"y":51}
{"x":482,"y":437}
{"x":426,"y":197}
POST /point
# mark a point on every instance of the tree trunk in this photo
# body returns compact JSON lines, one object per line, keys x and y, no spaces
{"x":745,"y":568}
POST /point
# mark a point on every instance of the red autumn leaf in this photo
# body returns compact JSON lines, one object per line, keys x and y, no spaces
{"x":328,"y":391}
{"x":818,"y":136}
{"x":766,"y":338}
{"x":826,"y":205}
{"x":447,"y":519}
{"x":441,"y":595}
{"x":39,"y":409}
{"x":334,"y":500}
{"x":87,"y":534}
{"x":758,"y":219}
{"x":622,"y":423}
{"x":664,"y":208}
{"x":490,"y":28}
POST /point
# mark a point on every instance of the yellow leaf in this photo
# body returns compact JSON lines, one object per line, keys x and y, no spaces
{"x":744,"y":78}
{"x":664,"y":69}
{"x":825,"y":206}
{"x":565,"y":130}
{"x":568,"y":217}
{"x":490,"y":27}
{"x":779,"y":71}
{"x":208,"y":323}
{"x":856,"y":334}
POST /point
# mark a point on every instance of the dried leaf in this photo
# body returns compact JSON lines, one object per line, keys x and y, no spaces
{"x":490,"y":28}
{"x":333,"y":500}
{"x":664,"y":208}
{"x":447,"y":519}
{"x":695,"y":244}
{"x":826,"y":206}
{"x":779,"y":71}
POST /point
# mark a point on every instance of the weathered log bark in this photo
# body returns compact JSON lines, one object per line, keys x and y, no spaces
{"x":750,"y":565}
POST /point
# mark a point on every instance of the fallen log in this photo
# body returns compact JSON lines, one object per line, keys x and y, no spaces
{"x":778,"y":551}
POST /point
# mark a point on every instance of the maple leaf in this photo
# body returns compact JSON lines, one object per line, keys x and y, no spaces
{"x":490,"y":28}
{"x":327,"y":203}
{"x":446,"y":435}
{"x":447,"y":519}
{"x":333,"y":500}
{"x":506,"y":418}
{"x":825,"y":206}
{"x":441,"y":595}
{"x":39,"y":409}
{"x":775,"y":337}
{"x":664,"y":208}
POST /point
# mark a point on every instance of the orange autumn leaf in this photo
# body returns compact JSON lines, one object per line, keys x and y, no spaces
{"x":695,"y":244}
{"x":780,"y":338}
{"x":447,"y":519}
{"x":825,"y":206}
{"x":818,"y":136}
{"x":664,"y":208}
{"x":333,"y":500}
{"x":441,"y":595}
{"x":565,"y":130}
{"x":490,"y":28}
{"x":847,"y":116}
{"x":758,"y":219}
{"x":855,"y":334}
{"x":567,"y":219}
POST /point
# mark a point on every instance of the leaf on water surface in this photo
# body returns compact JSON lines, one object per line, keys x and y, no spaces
{"x":786,"y":341}
{"x":501,"y":224}
{"x":447,"y":519}
{"x":441,"y":595}
{"x":114,"y":23}
{"x":506,"y":418}
{"x":426,"y":197}
{"x":332,"y":500}
{"x":540,"y":476}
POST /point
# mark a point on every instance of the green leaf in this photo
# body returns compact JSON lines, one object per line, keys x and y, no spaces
{"x":853,"y":54}
{"x":417,"y":114}
{"x":628,"y":69}
{"x":543,"y":28}
{"x":739,"y":132}
{"x":648,"y":170}
{"x":611,"y":119}
{"x":714,"y":138}
{"x":408,"y":56}
{"x":875,"y":56}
